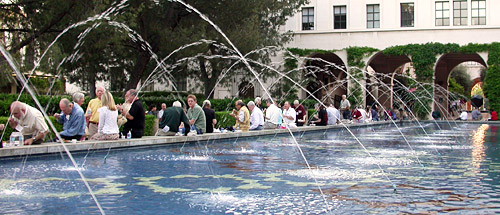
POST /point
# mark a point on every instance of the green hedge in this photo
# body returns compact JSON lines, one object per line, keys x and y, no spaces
{"x":151,"y":99}
{"x":224,"y":119}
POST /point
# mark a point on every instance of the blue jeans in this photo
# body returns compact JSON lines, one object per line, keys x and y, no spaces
{"x":198,"y":131}
{"x":256,"y":129}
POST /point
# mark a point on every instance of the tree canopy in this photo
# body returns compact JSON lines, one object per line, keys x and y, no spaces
{"x":123,"y":41}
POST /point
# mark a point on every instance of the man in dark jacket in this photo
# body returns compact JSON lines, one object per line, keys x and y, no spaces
{"x":135,"y":116}
{"x":171,"y":119}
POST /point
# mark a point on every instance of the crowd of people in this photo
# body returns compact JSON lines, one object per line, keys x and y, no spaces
{"x":103,"y":118}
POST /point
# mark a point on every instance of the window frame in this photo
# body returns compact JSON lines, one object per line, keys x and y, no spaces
{"x":407,"y":19}
{"x":442,"y":11}
{"x":338,"y":23}
{"x":477,"y":10}
{"x":309,"y":25}
{"x":462,"y":20}
{"x":372,"y":21}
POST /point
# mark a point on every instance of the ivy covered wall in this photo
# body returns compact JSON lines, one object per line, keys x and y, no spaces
{"x":424,"y":57}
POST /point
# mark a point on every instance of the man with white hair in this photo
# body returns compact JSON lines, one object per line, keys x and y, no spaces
{"x":78,"y":98}
{"x":258,"y":103}
{"x":171,"y":120}
{"x":72,"y":118}
{"x":301,"y":113}
{"x":210,"y":119}
{"x":29,"y":121}
{"x":333,"y":114}
{"x":289,"y":115}
{"x":91,"y":113}
{"x":256,"y":118}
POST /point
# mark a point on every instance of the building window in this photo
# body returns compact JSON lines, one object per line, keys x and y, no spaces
{"x":373,"y":16}
{"x":407,"y":14}
{"x":339,"y":17}
{"x":308,"y":18}
{"x":460,"y":12}
{"x":442,"y":13}
{"x":478,"y":12}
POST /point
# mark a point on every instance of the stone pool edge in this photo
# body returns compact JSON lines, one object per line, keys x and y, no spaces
{"x":50,"y":148}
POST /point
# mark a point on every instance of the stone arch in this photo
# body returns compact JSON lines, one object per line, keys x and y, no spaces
{"x":442,"y":71}
{"x":328,"y":80}
{"x":381,"y":83}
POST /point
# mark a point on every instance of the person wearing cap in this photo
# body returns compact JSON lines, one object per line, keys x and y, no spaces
{"x":301,"y":118}
{"x":209,"y":116}
{"x":172,"y":119}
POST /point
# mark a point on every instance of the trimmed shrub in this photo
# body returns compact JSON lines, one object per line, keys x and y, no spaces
{"x":224,"y":119}
{"x":148,"y":125}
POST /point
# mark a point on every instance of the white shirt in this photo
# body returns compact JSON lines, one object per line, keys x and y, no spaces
{"x":333,"y":115}
{"x":464,"y":116}
{"x":363,"y":115}
{"x":289,"y":122}
{"x":107,"y":121}
{"x":272,"y":114}
{"x":256,"y":118}
{"x":241,"y":116}
{"x":344,"y":104}
{"x":160,"y":114}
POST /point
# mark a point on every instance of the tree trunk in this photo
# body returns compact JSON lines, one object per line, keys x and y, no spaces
{"x":92,"y":85}
{"x":140,"y":67}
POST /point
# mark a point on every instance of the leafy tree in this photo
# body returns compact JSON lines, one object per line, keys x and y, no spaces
{"x":462,"y":78}
{"x":121,"y":47}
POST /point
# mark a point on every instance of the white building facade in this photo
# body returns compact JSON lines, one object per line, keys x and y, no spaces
{"x":339,"y":24}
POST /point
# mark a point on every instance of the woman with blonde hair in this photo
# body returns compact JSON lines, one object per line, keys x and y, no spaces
{"x":108,"y":113}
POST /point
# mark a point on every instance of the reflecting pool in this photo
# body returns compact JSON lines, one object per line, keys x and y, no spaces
{"x":267,"y":174}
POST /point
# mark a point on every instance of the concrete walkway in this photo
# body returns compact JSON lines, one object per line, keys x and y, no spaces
{"x":46,"y":148}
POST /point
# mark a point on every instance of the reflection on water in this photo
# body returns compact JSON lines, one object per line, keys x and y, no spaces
{"x":478,"y":145}
{"x":268,"y":176}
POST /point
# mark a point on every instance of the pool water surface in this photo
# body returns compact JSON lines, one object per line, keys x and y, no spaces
{"x":450,"y":168}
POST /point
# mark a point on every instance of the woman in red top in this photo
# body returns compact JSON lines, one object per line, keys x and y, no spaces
{"x":494,"y":116}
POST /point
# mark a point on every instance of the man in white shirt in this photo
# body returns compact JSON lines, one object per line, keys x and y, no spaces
{"x":359,"y":115}
{"x":333,"y":115}
{"x":256,"y":118}
{"x":160,"y":113}
{"x":289,"y":115}
{"x":272,"y":115}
